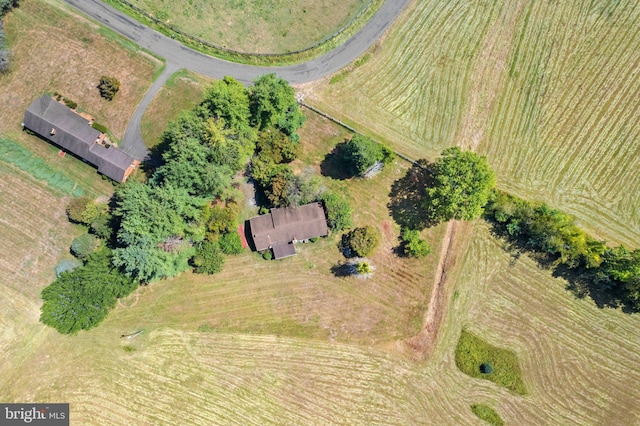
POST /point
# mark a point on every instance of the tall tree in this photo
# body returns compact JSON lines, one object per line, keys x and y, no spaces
{"x":462,"y":182}
{"x":228,"y":99}
{"x":273,"y":103}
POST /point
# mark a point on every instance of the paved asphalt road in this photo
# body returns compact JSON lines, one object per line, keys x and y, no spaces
{"x":179,"y":56}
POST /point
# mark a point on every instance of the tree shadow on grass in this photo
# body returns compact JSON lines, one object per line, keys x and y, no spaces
{"x":407,"y":197}
{"x":333,"y":166}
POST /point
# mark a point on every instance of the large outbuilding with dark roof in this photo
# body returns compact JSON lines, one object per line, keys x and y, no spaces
{"x":280,"y":229}
{"x":60,"y":125}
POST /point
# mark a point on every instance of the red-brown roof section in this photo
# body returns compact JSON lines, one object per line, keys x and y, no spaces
{"x":285,"y":225}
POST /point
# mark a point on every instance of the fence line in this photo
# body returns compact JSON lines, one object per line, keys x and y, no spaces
{"x":237,"y":52}
{"x":352,"y":130}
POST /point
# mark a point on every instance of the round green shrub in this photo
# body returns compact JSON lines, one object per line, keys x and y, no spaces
{"x":84,"y":245}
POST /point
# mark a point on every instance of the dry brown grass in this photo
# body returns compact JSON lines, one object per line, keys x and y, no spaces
{"x":54,"y":49}
{"x":184,"y":90}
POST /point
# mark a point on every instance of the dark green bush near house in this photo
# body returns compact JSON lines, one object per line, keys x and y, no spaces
{"x":230,"y":243}
{"x":108,"y":87}
{"x":360,"y":242}
{"x":84,"y":245}
{"x":267,"y":255}
{"x":488,"y":414}
{"x":338,"y":211}
{"x":70,"y":103}
{"x":472,"y":352}
{"x":99,"y":127}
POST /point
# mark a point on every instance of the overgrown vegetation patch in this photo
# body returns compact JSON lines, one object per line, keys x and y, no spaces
{"x":487,"y":414}
{"x":26,"y":161}
{"x":474,"y":355}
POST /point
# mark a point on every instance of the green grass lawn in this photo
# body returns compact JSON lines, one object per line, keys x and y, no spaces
{"x":256,"y":26}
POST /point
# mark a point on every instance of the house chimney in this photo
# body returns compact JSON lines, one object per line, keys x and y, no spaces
{"x":53,"y":132}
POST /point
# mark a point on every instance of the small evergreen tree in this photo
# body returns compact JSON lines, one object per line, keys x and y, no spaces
{"x":84,"y":245}
{"x":108,"y":87}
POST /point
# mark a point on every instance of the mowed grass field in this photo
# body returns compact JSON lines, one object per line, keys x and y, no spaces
{"x":52,"y":50}
{"x":256,"y":26}
{"x":288,"y":343}
{"x":548,"y":91}
{"x":579,"y":363}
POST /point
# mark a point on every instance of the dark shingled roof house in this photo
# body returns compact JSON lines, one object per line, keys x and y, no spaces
{"x":284,"y":226}
{"x":56,"y":123}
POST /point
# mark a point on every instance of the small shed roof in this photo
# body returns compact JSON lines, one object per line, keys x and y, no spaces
{"x":58,"y":124}
{"x":284,"y":225}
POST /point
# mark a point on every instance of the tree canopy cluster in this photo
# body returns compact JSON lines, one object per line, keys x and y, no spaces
{"x":81,"y":298}
{"x":555,"y":236}
{"x":185,"y":215}
{"x":462,"y":182}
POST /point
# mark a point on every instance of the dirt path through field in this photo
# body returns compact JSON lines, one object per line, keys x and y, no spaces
{"x":420,"y":345}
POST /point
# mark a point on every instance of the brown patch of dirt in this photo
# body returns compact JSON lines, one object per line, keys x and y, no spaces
{"x":420,"y":346}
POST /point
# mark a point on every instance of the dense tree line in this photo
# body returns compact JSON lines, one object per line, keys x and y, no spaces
{"x":556,"y":239}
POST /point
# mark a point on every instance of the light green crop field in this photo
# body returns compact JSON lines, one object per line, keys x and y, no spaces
{"x":256,"y":26}
{"x":550,"y":92}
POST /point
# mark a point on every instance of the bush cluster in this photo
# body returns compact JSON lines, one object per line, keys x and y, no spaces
{"x":71,"y":104}
{"x":412,"y":244}
{"x":99,"y":127}
{"x":360,"y":242}
{"x":108,"y":87}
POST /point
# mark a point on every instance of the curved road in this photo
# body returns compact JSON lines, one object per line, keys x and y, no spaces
{"x":180,"y":56}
